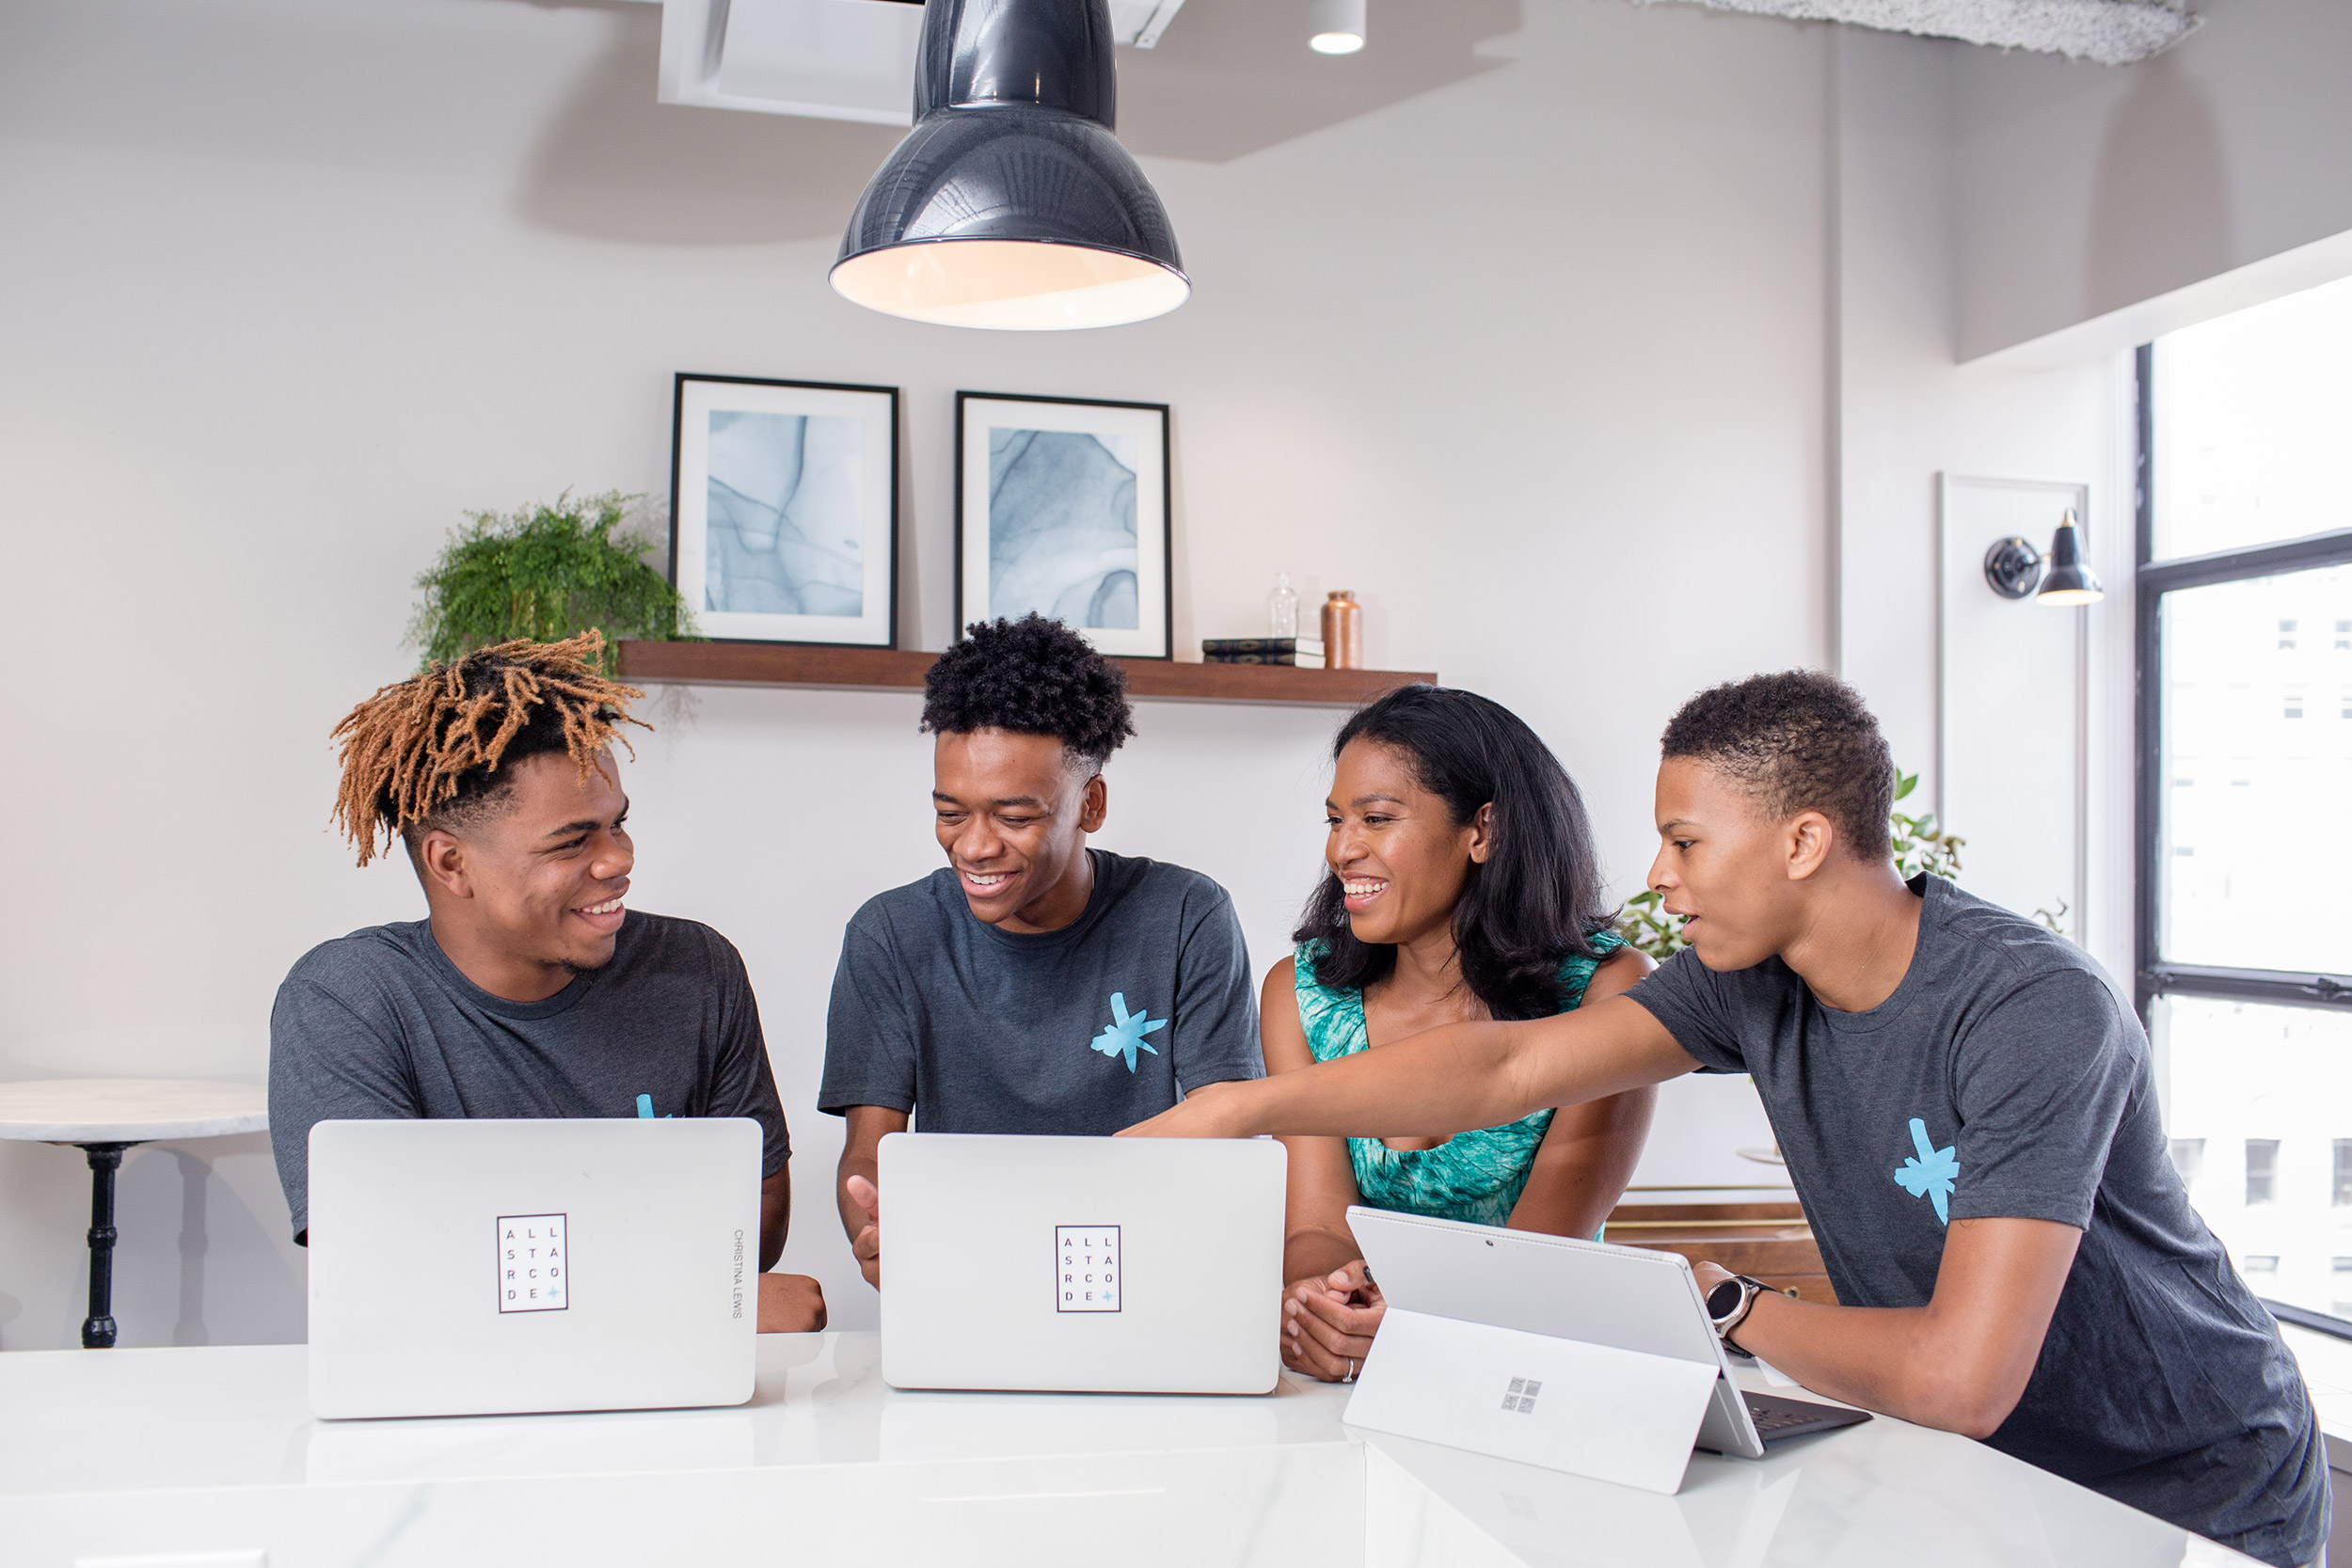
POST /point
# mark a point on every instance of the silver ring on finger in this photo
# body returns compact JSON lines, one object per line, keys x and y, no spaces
{"x":1351,"y":1371}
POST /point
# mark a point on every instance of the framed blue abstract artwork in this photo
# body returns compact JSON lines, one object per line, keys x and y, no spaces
{"x":1061,"y":507}
{"x":784,"y":508}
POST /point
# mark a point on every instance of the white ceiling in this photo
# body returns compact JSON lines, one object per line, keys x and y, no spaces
{"x":832,"y":59}
{"x":854,"y":59}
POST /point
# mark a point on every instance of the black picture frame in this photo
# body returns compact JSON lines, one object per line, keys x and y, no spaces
{"x":694,"y":393}
{"x":1153,"y":634}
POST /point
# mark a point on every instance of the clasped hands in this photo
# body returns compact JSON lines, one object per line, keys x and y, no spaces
{"x":1327,"y":1324}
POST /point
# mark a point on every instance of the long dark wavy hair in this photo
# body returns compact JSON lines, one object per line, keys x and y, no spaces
{"x":1535,"y":901}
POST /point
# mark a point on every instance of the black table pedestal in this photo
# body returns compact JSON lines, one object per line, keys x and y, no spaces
{"x":98,"y":1329}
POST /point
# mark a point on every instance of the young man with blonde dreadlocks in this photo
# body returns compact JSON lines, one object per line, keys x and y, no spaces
{"x":530,"y":989}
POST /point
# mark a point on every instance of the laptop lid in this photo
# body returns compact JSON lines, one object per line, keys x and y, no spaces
{"x":1631,"y":1299}
{"x":464,"y":1268}
{"x":1098,"y":1265}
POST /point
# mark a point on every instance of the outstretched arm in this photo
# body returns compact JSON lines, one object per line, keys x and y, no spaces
{"x":1589,"y":1151}
{"x":1961,"y":1362}
{"x":1443,"y":1080}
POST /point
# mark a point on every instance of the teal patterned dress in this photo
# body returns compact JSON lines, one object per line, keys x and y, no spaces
{"x":1476,"y":1175}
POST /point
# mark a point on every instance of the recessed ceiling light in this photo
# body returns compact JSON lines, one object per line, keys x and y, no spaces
{"x":1338,"y":27}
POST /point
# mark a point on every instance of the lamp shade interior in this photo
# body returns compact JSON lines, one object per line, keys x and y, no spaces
{"x":1018,"y":284}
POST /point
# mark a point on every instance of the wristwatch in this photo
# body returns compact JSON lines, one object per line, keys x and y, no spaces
{"x":1727,"y":1305}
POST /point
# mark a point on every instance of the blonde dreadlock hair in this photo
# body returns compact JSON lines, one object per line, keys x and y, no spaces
{"x":424,"y":752}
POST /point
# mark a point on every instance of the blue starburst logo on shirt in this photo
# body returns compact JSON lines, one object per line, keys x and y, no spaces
{"x":1932,"y":1174}
{"x":1125,"y":1035}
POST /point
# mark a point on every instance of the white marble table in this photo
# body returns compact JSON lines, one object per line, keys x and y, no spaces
{"x":212,"y":1459}
{"x":102,"y":1117}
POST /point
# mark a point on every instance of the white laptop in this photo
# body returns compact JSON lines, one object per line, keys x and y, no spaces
{"x":1576,"y":1355}
{"x":462,"y":1268}
{"x":1093,"y":1265}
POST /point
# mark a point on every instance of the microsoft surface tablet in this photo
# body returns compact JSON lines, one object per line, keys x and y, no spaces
{"x":1621,"y":1299}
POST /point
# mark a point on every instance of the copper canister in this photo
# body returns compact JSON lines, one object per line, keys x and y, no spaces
{"x":1343,"y":631}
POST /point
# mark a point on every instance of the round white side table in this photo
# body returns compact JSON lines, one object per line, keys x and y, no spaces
{"x":102,"y":1117}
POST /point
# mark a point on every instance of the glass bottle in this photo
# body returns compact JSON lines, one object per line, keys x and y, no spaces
{"x":1281,"y":607}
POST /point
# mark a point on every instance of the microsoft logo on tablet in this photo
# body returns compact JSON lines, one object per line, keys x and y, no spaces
{"x":1086,"y":1268}
{"x":534,"y":1263}
{"x":1520,"y":1395}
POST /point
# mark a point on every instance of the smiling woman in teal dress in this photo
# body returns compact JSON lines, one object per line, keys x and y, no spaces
{"x":1463,"y":886}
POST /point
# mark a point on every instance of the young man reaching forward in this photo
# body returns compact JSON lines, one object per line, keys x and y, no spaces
{"x":1031,"y":985}
{"x":528,"y":990}
{"x":1967,"y":1113}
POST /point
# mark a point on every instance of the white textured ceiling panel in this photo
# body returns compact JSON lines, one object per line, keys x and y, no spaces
{"x":2111,"y":32}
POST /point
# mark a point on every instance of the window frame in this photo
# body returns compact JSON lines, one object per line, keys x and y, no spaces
{"x":2154,"y":580}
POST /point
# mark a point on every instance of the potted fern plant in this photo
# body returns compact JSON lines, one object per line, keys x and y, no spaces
{"x":547,"y":572}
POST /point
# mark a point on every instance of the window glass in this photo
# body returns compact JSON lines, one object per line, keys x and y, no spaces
{"x":2261,"y":1171}
{"x":2266,"y":1093}
{"x":2253,"y":866}
{"x":2188,"y":1157}
{"x":2249,"y":420}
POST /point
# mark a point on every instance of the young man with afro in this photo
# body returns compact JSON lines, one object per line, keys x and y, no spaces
{"x":530,"y":989}
{"x":1968,"y":1111}
{"x":1032,"y":984}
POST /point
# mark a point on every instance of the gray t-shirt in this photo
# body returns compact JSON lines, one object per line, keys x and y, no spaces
{"x":1084,"y":1030}
{"x":2005,"y":1078}
{"x":380,"y":1025}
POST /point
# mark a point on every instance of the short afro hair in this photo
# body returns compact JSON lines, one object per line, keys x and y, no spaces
{"x":1032,"y":676}
{"x":1799,"y":740}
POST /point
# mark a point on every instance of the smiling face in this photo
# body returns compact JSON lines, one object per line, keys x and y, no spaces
{"x":1013,"y":812}
{"x":1741,"y":879}
{"x":1401,"y":857}
{"x":528,"y":892}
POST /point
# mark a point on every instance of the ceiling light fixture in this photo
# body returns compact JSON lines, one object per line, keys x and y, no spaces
{"x":1338,"y":27}
{"x":1010,"y":204}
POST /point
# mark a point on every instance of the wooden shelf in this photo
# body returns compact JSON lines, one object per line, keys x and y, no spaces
{"x":795,"y":664}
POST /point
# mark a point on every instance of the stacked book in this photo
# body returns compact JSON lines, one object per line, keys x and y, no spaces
{"x":1303,"y":652}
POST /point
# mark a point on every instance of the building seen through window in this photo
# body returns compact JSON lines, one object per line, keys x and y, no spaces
{"x":2261,"y":1171}
{"x":2244,"y":599}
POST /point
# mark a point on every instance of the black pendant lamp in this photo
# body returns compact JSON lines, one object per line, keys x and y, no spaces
{"x":1010,"y":204}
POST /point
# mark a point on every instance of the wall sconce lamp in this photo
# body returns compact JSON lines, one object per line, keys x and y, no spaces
{"x":2013,"y":568}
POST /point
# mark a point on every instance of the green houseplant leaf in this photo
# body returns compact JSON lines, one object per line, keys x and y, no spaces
{"x":546,"y":573}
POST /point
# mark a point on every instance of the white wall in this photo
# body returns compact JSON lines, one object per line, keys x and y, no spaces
{"x":2084,"y":191}
{"x":1909,"y":412}
{"x":1527,"y":332}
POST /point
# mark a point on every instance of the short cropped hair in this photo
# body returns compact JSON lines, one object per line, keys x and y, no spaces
{"x":1032,"y":676}
{"x":1799,"y":740}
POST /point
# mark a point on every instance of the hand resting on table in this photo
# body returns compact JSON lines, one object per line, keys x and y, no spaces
{"x":1327,"y":1324}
